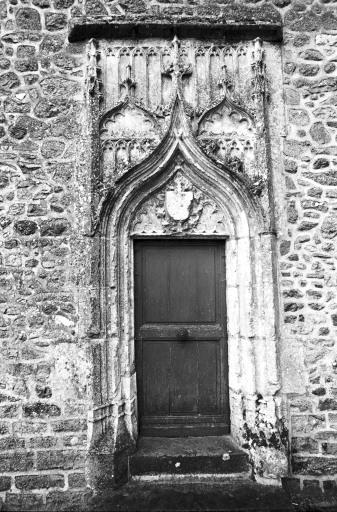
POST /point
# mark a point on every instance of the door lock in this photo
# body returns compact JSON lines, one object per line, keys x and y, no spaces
{"x":182,"y":334}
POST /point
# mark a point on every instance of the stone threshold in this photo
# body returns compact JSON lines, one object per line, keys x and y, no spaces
{"x":188,"y":455}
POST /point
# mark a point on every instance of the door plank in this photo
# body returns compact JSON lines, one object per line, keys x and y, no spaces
{"x":156,"y":377}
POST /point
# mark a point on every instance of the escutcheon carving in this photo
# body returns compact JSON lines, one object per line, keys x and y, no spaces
{"x":179,"y":207}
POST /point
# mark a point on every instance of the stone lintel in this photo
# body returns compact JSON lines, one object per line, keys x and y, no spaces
{"x":84,"y":28}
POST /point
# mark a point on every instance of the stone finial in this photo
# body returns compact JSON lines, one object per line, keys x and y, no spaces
{"x":177,"y":69}
{"x":93,"y":70}
{"x":259,"y":70}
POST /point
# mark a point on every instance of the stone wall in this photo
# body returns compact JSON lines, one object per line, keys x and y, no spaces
{"x":307,"y":242}
{"x":45,"y":376}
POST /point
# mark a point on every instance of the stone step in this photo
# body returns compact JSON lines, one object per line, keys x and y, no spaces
{"x":185,"y":456}
{"x":234,"y":496}
{"x":189,"y":478}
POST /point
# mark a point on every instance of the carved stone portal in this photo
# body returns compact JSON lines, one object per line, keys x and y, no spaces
{"x":181,"y":143}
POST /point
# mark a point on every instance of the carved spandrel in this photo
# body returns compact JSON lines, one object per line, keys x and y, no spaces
{"x":128,"y":135}
{"x":179,"y":207}
{"x":228,"y":134}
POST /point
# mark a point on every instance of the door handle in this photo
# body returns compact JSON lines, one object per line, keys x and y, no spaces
{"x":182,"y":334}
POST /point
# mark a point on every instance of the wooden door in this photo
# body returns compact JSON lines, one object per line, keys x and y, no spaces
{"x":181,"y":350}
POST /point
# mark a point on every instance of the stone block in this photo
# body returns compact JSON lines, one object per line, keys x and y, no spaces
{"x":304,"y":444}
{"x":16,"y":461}
{"x":327,"y":404}
{"x":65,"y":501}
{"x":41,"y":410}
{"x":72,"y":425}
{"x":76,"y":480}
{"x":314,"y":465}
{"x":5,"y":483}
{"x":60,"y":459}
{"x":23,"y":502}
{"x":55,"y":21}
{"x":29,"y":482}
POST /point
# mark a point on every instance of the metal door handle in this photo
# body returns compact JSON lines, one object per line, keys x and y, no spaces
{"x":182,"y":334}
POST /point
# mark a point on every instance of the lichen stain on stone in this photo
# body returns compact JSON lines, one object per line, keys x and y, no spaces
{"x":267,"y":445}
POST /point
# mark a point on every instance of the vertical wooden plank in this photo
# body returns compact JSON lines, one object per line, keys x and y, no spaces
{"x":208,"y":377}
{"x":156,"y":368}
{"x":184,"y":378}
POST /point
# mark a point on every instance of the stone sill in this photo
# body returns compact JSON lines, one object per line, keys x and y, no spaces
{"x":82,"y":28}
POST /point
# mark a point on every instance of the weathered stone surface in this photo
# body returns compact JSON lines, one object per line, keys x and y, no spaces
{"x":23,"y":65}
{"x":308,"y":69}
{"x":298,"y":116}
{"x":314,"y":465}
{"x":284,"y":247}
{"x":63,"y":4}
{"x":301,"y":22}
{"x":43,"y":4}
{"x":292,"y":96}
{"x":295,"y":148}
{"x":9,"y":81}
{"x":306,"y":225}
{"x":46,"y":108}
{"x":51,"y":44}
{"x":28,"y":482}
{"x":65,"y":459}
{"x":312,"y":54}
{"x":52,"y":148}
{"x":304,"y":444}
{"x":54,"y":227}
{"x":19,"y":460}
{"x":329,"y":226}
{"x":5,"y":483}
{"x":320,"y":163}
{"x":41,"y":410}
{"x":55,"y":21}
{"x":28,"y":18}
{"x":323,"y":178}
{"x":26,"y":227}
{"x":28,"y":125}
{"x":58,"y":86}
{"x":319,"y":133}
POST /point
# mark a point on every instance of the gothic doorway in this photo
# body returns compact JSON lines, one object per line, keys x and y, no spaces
{"x":180,"y":337}
{"x":183,"y":157}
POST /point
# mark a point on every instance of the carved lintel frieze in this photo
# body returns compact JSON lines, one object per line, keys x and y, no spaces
{"x":93,"y":77}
